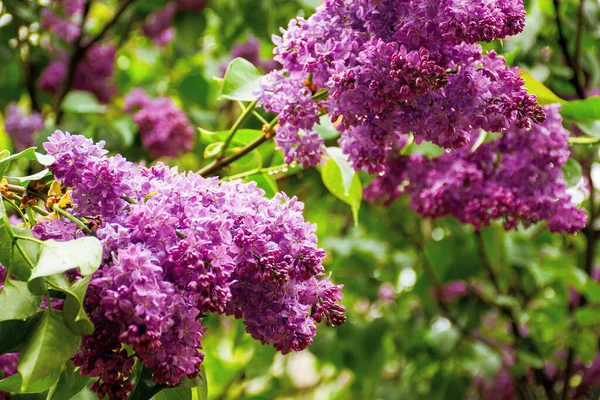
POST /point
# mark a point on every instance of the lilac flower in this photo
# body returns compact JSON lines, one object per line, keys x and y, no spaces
{"x":164,"y":128}
{"x":22,"y":128}
{"x":187,"y":246}
{"x":63,"y":19}
{"x":250,"y":50}
{"x":516,"y":178}
{"x":397,"y":67}
{"x":159,"y":24}
{"x":159,"y":27}
{"x":94,"y":73}
{"x":452,"y":291}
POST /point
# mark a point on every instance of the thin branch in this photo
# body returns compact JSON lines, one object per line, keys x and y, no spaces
{"x":73,"y":219}
{"x":220,"y":163}
{"x":80,"y":50}
{"x":539,"y":374}
{"x":236,"y":126}
{"x":562,"y":41}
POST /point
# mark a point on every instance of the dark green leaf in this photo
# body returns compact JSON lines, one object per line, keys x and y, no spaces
{"x":241,"y":81}
{"x":70,"y":383}
{"x":48,"y":347}
{"x":75,"y":317}
{"x":13,"y":334}
{"x":178,"y":393}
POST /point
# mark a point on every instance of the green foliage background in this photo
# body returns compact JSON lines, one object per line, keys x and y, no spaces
{"x":387,"y":350}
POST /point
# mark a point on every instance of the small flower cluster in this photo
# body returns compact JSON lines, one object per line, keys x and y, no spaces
{"x":396,"y":67}
{"x":250,"y":50}
{"x":63,"y":18}
{"x":180,"y":247}
{"x":517,"y":178}
{"x":22,"y":128}
{"x":94,"y":73}
{"x":164,"y":128}
{"x":159,"y":24}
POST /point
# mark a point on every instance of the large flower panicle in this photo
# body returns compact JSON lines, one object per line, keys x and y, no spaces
{"x":398,"y":67}
{"x":20,"y":127}
{"x":63,"y":18}
{"x":94,"y":73}
{"x":181,"y":246}
{"x":516,"y":178}
{"x":164,"y":128}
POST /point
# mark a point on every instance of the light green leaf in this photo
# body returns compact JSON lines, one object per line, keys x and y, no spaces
{"x":241,"y":81}
{"x":331,"y":175}
{"x":592,"y":291}
{"x":346,"y":169}
{"x":544,"y":95}
{"x":587,"y":316}
{"x":242,"y":136}
{"x":266,"y":182}
{"x":326,"y":128}
{"x":48,"y":347}
{"x":213,"y":149}
{"x":57,"y":257}
{"x":80,"y":102}
{"x":572,"y":172}
{"x":24,"y":180}
{"x":17,"y":302}
{"x":529,"y":358}
{"x":14,"y":383}
{"x":75,"y":317}
{"x":588,"y":109}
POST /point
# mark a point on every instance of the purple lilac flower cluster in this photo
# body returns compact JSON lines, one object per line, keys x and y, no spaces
{"x":517,"y":178}
{"x":159,"y":24}
{"x":164,"y":128}
{"x":183,"y":246}
{"x":250,"y":50}
{"x":22,"y":128}
{"x":63,"y":18}
{"x":393,"y":67}
{"x":94,"y":73}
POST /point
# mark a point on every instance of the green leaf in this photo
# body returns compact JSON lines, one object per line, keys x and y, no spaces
{"x":443,"y":340}
{"x":331,"y":175}
{"x":588,"y":109}
{"x":48,"y":347}
{"x":586,"y":345}
{"x":126,"y":129}
{"x":587,"y":316}
{"x":145,"y":387}
{"x":326,"y":128}
{"x":80,"y":102}
{"x":201,"y":392}
{"x":529,"y":358}
{"x":572,"y":172}
{"x":24,"y":180}
{"x":544,"y":95}
{"x":75,"y":317}
{"x":592,"y":291}
{"x":11,"y":257}
{"x":266,"y":182}
{"x":57,"y":257}
{"x":17,"y":302}
{"x":241,"y":81}
{"x":591,"y":128}
{"x":242,"y":136}
{"x":70,"y":383}
{"x":510,"y":56}
{"x":213,"y":149}
{"x":14,"y":383}
{"x":29,"y":154}
{"x":13,"y":334}
{"x":346,"y":169}
{"x":179,"y":393}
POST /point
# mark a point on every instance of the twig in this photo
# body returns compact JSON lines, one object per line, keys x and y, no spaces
{"x":73,"y":219}
{"x":539,"y":374}
{"x":80,"y":51}
{"x":562,"y":41}
{"x":218,"y":164}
